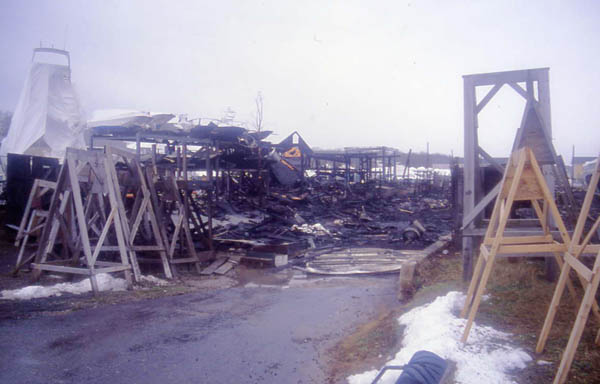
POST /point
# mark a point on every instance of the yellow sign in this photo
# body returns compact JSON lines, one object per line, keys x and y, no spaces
{"x":293,"y":152}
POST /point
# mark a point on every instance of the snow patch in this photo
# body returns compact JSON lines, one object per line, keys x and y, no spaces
{"x":234,"y":219}
{"x":488,"y":356}
{"x":315,"y":229}
{"x":254,"y":285}
{"x":154,"y":280}
{"x":106,"y":282}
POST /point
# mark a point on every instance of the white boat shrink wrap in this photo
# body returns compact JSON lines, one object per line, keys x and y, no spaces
{"x":48,"y":117}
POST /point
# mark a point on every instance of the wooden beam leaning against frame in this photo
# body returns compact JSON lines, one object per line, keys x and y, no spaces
{"x":531,"y":132}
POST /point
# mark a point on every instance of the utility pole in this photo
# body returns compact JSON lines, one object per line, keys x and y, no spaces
{"x":573,"y":166}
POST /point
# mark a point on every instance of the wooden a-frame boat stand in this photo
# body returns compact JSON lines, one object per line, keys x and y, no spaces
{"x":590,"y":280}
{"x":523,"y":181}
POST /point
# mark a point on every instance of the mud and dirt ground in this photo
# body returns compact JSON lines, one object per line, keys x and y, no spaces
{"x":258,"y":326}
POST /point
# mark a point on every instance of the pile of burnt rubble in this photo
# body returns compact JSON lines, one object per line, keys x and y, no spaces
{"x":322,"y":214}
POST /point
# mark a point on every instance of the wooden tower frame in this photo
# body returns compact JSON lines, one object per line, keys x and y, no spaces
{"x":473,"y":201}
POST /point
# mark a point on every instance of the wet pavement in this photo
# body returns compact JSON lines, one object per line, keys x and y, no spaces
{"x":262,"y":332}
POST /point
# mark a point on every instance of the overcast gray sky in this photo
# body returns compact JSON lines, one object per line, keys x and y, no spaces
{"x":351,"y":73}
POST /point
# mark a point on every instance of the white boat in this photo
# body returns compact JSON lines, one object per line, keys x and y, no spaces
{"x":48,"y":117}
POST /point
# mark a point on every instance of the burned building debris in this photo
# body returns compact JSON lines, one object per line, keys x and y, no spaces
{"x":158,"y":194}
{"x":215,"y":196}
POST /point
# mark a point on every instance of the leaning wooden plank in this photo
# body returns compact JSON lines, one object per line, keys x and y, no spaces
{"x":24,"y":241}
{"x":433,"y":248}
{"x":213,"y":266}
{"x":480,"y":206}
{"x":52,"y":235}
{"x":25,"y":217}
{"x":223,"y":269}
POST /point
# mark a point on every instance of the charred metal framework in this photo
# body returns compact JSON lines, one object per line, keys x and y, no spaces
{"x":367,"y":164}
{"x":362,"y":164}
{"x":352,"y":164}
{"x":473,"y":200}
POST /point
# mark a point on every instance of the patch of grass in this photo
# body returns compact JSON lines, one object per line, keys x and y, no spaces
{"x":519,"y":301}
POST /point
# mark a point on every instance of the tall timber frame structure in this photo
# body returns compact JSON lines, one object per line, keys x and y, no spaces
{"x":474,"y":202}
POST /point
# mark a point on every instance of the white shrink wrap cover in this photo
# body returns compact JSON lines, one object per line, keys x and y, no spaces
{"x":48,"y":117}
